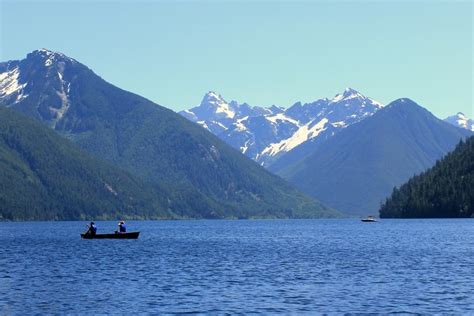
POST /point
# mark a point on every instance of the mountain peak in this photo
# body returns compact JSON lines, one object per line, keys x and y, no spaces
{"x":276,"y":109}
{"x":404,"y":104}
{"x":376,"y":154}
{"x":213,"y":94}
{"x":48,"y":57}
{"x":461,"y":120}
{"x":44,"y":51}
{"x":213,"y":98}
{"x":404,"y":101}
{"x":216,"y":102}
{"x":347,"y":94}
{"x":209,"y":178}
{"x":349,"y":91}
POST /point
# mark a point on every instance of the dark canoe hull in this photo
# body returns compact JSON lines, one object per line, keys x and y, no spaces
{"x":368,"y":220}
{"x":131,"y":235}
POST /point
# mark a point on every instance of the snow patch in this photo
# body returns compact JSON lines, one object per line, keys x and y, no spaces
{"x":190,"y":115}
{"x":219,"y":124}
{"x":244,"y":148}
{"x":461,"y":120}
{"x":376,"y":103}
{"x":9,"y":84}
{"x":305,"y":122}
{"x":281,"y":117}
{"x":343,"y":97}
{"x":203,"y":124}
{"x":339,"y":124}
{"x":220,"y":105}
{"x":303,"y":134}
{"x":225,"y":109}
{"x":52,"y":57}
{"x":239,"y":125}
{"x":350,"y":94}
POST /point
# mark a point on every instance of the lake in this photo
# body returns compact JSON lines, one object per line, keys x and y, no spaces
{"x":242,"y":266}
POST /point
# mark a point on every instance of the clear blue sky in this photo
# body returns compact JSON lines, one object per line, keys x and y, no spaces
{"x":263,"y":53}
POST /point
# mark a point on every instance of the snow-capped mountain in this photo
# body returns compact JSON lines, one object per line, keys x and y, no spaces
{"x":320,"y":120}
{"x":217,"y":115}
{"x":265,"y":134}
{"x":461,"y":120}
{"x":151,"y":142}
{"x":358,"y":168}
{"x":42,"y":70}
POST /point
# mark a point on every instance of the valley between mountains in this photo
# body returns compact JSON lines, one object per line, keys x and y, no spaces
{"x":348,"y":151}
{"x":67,"y":130}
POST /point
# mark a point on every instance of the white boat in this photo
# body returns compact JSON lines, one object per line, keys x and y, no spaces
{"x":369,"y":219}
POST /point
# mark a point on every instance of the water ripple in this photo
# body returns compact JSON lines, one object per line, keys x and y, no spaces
{"x":270,"y":267}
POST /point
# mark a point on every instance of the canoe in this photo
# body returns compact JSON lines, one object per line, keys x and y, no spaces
{"x":130,"y":235}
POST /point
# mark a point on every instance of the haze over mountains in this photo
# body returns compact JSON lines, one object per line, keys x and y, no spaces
{"x":200,"y":175}
{"x":348,"y":151}
{"x":340,"y":150}
{"x":265,"y":134}
{"x":358,"y":168}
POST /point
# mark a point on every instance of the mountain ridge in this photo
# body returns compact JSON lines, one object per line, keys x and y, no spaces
{"x":151,"y":142}
{"x":43,"y":176}
{"x":355,"y":174}
{"x":267,"y":134}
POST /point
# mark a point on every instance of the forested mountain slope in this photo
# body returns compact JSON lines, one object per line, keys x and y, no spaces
{"x":44,"y":176}
{"x":356,"y":170}
{"x":446,"y":190}
{"x":203,"y":176}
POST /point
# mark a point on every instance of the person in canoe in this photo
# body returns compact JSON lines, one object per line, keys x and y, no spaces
{"x":122,"y":227}
{"x":92,"y":229}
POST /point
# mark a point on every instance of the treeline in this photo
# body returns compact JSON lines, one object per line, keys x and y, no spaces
{"x":444,"y":191}
{"x":45,"y":177}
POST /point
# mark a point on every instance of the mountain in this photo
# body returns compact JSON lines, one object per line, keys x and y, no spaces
{"x":444,"y":191}
{"x":201,"y":176}
{"x":44,"y":176}
{"x":326,"y":119}
{"x":358,"y":168}
{"x":268,"y":134}
{"x":461,"y":120}
{"x":242,"y":126}
{"x":217,"y":115}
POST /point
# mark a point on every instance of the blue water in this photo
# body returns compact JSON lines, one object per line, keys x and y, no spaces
{"x":274,"y":266}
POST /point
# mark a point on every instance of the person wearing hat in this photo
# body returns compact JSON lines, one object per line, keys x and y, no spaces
{"x":92,"y":229}
{"x":122,"y":227}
